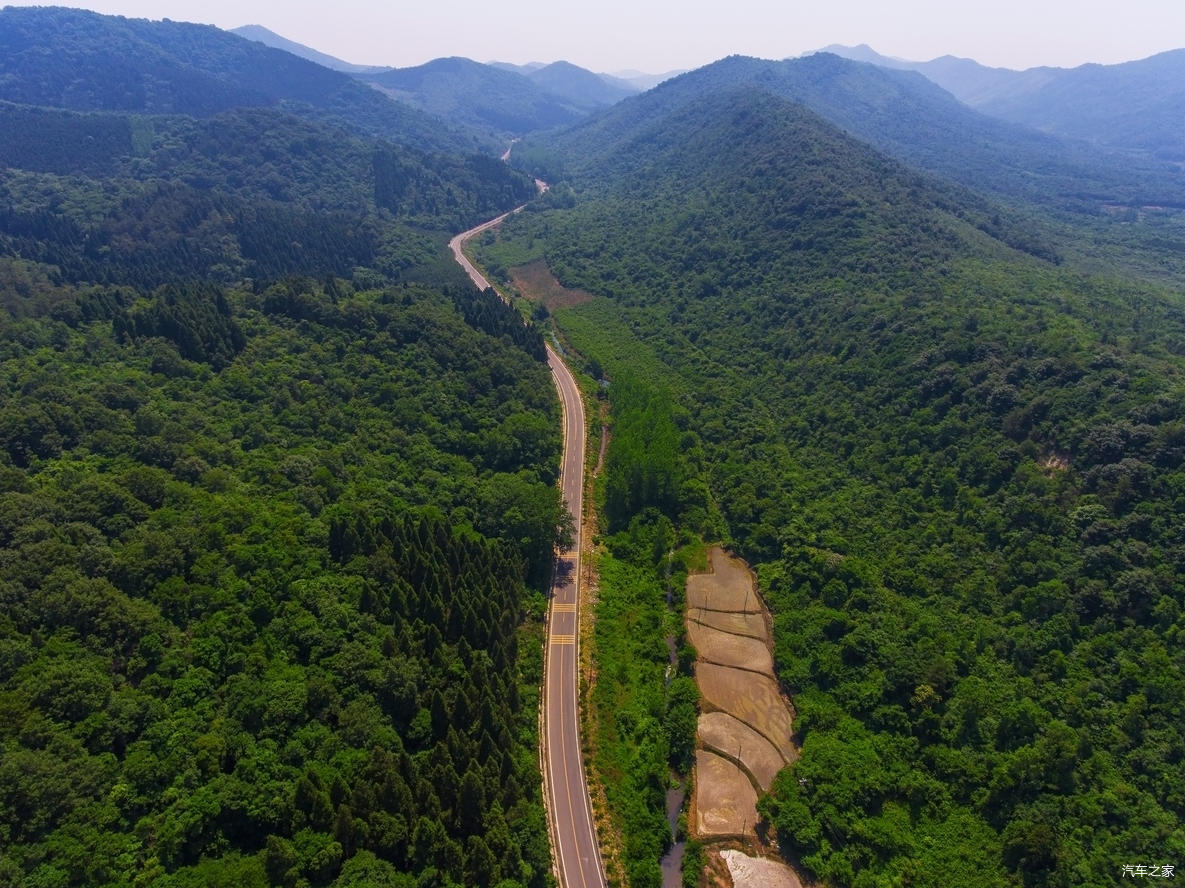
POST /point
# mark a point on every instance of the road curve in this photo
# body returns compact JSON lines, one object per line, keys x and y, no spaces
{"x":575,"y":850}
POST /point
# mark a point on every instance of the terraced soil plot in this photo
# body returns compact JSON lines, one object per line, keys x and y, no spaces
{"x":751,"y":624}
{"x":726,"y":649}
{"x":758,"y":872}
{"x":726,"y":803}
{"x":744,"y":719}
{"x":728,"y":588}
{"x":720,"y":732}
{"x":751,"y":697}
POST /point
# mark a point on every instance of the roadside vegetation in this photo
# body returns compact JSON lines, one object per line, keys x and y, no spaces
{"x":956,"y":466}
{"x":277,"y":510}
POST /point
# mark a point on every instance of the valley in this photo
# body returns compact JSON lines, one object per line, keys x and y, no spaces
{"x":302,"y":581}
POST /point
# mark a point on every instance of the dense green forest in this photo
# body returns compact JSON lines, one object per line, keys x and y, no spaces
{"x":277,"y":484}
{"x":247,"y":194}
{"x":956,"y":463}
{"x":644,"y":704}
{"x":265,"y":567}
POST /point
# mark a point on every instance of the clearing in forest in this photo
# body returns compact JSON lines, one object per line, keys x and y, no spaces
{"x":536,"y":282}
{"x":744,"y":731}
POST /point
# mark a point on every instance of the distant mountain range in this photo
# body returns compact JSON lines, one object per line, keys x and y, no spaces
{"x":907,"y":116}
{"x":260,"y":34}
{"x":1137,"y":105}
{"x":496,"y":101}
{"x":82,"y":61}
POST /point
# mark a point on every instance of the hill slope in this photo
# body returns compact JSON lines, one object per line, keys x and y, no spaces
{"x":247,"y":193}
{"x":67,"y":58}
{"x":581,"y":87}
{"x":956,"y":466}
{"x":482,"y":97}
{"x":1134,"y":105}
{"x":260,"y":34}
{"x":905,"y":115}
{"x":272,"y":474}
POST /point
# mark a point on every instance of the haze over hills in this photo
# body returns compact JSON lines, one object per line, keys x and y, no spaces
{"x":262,"y":35}
{"x":467,"y":93}
{"x":910,"y":117}
{"x":497,"y":100}
{"x":1138,"y":105}
{"x":505,"y":100}
{"x":73,"y":59}
{"x":583,"y":88}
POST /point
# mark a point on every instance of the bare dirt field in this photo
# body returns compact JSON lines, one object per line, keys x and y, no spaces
{"x":744,"y":719}
{"x":720,"y":732}
{"x":714,"y":646}
{"x":759,"y":872}
{"x":728,"y":588}
{"x":536,"y":282}
{"x":726,"y":802}
{"x":752,"y":698}
{"x":751,"y":624}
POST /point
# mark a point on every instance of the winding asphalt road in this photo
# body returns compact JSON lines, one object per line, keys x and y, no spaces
{"x":573,"y":836}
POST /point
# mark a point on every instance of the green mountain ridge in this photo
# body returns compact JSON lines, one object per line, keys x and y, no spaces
{"x":496,"y":100}
{"x":270,"y":38}
{"x":1134,"y":105}
{"x":81,"y":61}
{"x":955,"y":466}
{"x":908,"y":117}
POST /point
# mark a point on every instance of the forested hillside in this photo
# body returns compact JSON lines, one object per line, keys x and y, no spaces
{"x":248,"y":193}
{"x":900,"y":113}
{"x":71,"y":58}
{"x":956,"y":464}
{"x":1133,"y":106}
{"x":264,"y":565}
{"x":483,"y":98}
{"x":277,"y":485}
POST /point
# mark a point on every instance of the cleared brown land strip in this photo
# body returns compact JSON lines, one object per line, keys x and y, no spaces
{"x":751,"y":625}
{"x":753,"y":698}
{"x":724,"y":734}
{"x":727,"y":649}
{"x":726,"y":802}
{"x":729,"y":587}
{"x":536,"y":282}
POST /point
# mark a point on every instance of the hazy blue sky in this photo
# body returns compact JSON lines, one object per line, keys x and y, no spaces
{"x":658,"y":35}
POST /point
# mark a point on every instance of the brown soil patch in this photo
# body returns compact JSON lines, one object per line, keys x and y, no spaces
{"x":752,"y":625}
{"x":536,"y":282}
{"x":728,"y":588}
{"x":727,"y":649}
{"x":754,"y":699}
{"x":744,"y":728}
{"x":726,"y":803}
{"x":759,"y":872}
{"x":720,"y":732}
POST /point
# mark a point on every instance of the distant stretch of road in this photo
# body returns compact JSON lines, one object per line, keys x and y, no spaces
{"x":573,"y":836}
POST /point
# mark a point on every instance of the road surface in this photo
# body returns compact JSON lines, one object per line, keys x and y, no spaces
{"x":573,"y":835}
